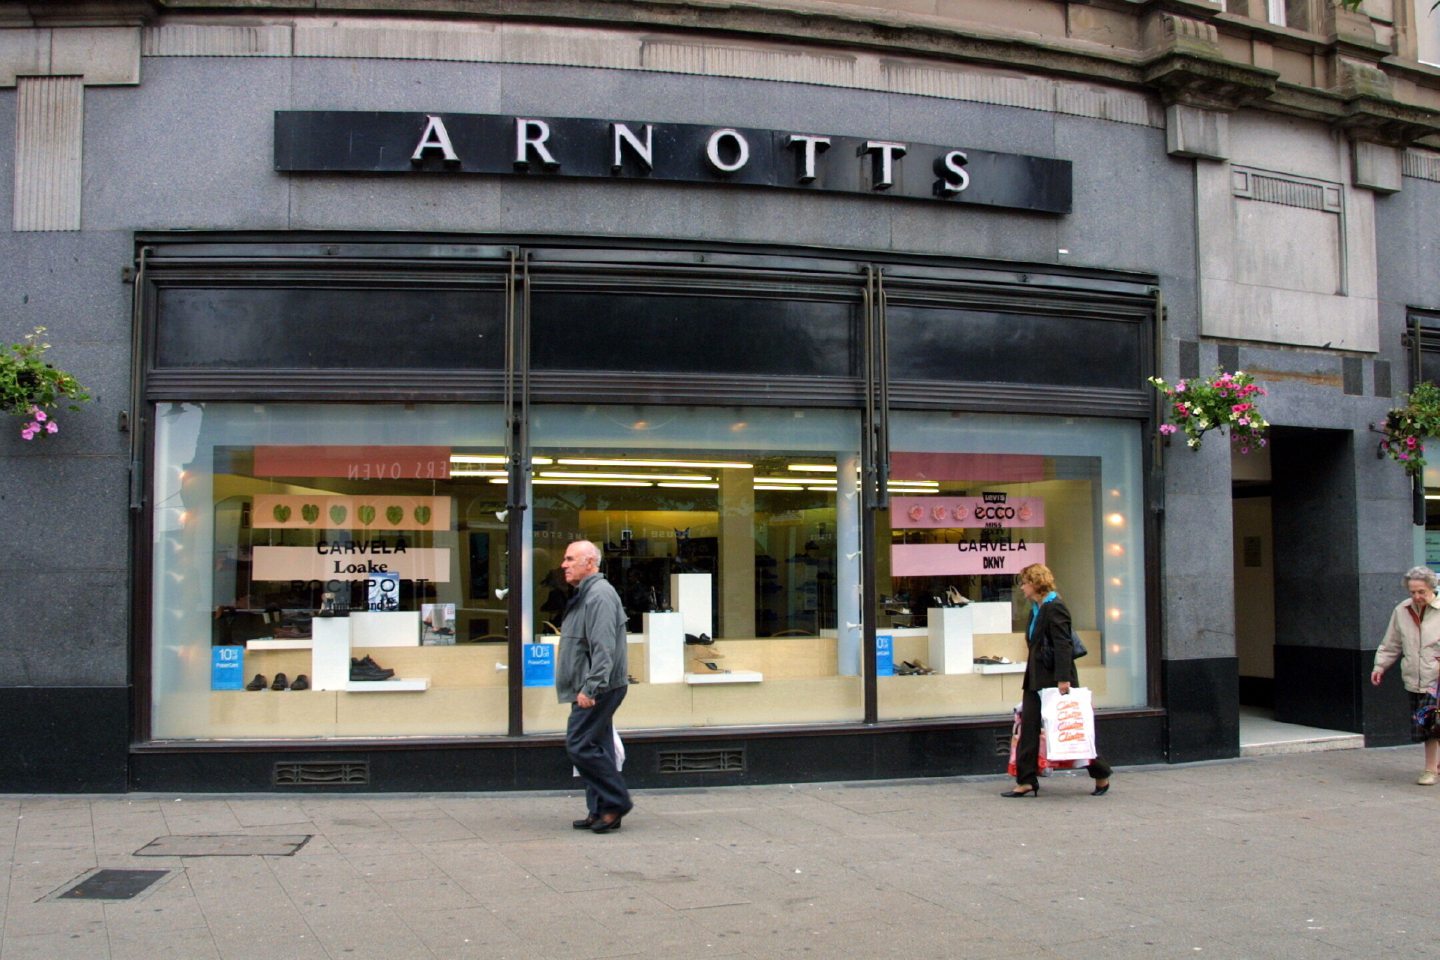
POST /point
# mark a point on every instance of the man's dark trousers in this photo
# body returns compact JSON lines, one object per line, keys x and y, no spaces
{"x":590,"y":742}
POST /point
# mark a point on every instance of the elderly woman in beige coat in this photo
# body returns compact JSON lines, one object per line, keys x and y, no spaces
{"x":1413,"y":638}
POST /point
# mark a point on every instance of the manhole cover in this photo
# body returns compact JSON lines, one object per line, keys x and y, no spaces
{"x":224,"y":846}
{"x":110,"y":885}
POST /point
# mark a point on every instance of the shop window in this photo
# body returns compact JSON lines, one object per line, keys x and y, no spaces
{"x":974,"y":499}
{"x":732,"y":537}
{"x":1426,"y":20}
{"x":291,"y":539}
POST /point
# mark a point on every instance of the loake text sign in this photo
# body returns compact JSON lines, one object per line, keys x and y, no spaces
{"x":449,"y":144}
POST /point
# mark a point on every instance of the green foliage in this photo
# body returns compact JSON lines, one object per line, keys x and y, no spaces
{"x":32,"y":389}
{"x":1405,"y":428}
{"x":1225,"y":402}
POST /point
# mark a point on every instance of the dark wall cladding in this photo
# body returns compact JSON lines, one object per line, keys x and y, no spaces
{"x":619,"y":331}
{"x":369,"y":328}
{"x":927,"y":343}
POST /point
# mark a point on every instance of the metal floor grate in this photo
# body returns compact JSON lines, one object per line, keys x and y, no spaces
{"x":110,"y":885}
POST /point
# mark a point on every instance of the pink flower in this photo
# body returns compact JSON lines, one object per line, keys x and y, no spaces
{"x":1180,"y":386}
{"x":1243,"y":421}
{"x":1168,"y":428}
{"x":28,"y":433}
{"x":52,"y":427}
{"x":1410,"y":442}
{"x":38,"y":414}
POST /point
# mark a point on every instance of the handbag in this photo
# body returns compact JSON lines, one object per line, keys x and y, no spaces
{"x":1427,"y":718}
{"x":1047,"y":652}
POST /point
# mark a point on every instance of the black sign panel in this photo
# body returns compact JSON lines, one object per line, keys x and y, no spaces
{"x":455,"y":143}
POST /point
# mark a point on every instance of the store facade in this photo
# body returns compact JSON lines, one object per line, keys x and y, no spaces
{"x":818,"y":365}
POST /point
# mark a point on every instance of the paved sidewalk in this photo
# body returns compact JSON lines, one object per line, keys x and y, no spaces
{"x":1322,"y":855}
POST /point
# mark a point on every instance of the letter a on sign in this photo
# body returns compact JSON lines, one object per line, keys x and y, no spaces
{"x":435,"y":137}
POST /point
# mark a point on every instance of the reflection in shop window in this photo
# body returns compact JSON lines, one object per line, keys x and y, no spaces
{"x":733,"y":548}
{"x":990,"y":496}
{"x":356,"y":547}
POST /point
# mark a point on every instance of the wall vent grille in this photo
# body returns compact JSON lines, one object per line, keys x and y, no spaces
{"x":702,"y":761}
{"x":326,"y":773}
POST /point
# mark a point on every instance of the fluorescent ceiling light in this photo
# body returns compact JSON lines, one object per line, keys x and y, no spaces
{"x":477,"y":473}
{"x":590,"y":483}
{"x":490,"y":458}
{"x":561,"y":474}
{"x":626,"y":462}
{"x":798,"y":481}
{"x":777,"y":486}
{"x":690,"y":486}
{"x":813,"y":467}
{"x":823,"y":489}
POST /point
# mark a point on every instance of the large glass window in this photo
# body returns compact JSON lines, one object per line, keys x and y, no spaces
{"x":733,"y":547}
{"x":356,"y":546}
{"x":976,"y":498}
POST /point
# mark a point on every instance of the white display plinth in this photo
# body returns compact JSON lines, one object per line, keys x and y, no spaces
{"x":664,"y":647}
{"x":329,"y":653}
{"x":734,"y":676}
{"x":1000,"y":667}
{"x":393,"y":685}
{"x":952,"y":633}
{"x":690,"y":596}
{"x":385,"y":628}
{"x":952,"y":639}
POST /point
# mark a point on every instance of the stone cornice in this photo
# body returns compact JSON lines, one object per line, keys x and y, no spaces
{"x":1196,"y":81}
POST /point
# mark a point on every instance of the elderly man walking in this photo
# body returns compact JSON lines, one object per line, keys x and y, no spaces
{"x":591,"y":674}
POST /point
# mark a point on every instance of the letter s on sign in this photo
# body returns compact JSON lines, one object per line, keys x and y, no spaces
{"x":952,"y":173}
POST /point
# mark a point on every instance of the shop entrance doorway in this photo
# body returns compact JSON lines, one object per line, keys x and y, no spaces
{"x":1297,"y":587}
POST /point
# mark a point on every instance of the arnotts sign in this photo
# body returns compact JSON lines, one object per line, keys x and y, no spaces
{"x":441,"y":144}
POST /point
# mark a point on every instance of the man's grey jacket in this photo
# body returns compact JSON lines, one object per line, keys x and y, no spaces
{"x":593,"y":656}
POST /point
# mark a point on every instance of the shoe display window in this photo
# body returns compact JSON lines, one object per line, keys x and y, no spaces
{"x":732,"y":537}
{"x":975,"y":499}
{"x":347,"y":559}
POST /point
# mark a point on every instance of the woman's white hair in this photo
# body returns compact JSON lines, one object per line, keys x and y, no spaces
{"x":1423,"y":574}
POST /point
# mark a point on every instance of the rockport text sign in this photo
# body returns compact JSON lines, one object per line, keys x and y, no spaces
{"x":440,"y":144}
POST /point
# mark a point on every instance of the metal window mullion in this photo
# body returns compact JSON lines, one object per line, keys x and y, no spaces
{"x":869,"y":455}
{"x":516,"y":460}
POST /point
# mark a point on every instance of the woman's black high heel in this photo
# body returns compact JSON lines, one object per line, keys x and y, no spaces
{"x":1016,"y":794}
{"x":1099,"y":790}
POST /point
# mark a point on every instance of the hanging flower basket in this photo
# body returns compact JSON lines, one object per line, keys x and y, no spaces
{"x":1405,"y":428}
{"x":1226,"y":402}
{"x":33,"y":390}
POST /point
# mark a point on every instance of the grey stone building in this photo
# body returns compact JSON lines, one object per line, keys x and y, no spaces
{"x":821,"y":318}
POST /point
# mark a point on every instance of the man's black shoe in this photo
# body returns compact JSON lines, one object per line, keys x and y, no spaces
{"x":359,"y":671}
{"x":259,"y":683}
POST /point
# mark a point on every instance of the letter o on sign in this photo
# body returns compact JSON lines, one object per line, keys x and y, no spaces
{"x":739,"y":145}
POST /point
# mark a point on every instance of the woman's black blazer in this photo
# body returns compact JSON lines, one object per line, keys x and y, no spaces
{"x":1052,"y":627}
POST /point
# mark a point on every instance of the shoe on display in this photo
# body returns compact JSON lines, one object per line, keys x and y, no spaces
{"x":302,"y":682}
{"x":360,"y":670}
{"x":282,"y":682}
{"x":703,"y":639}
{"x":259,"y":683}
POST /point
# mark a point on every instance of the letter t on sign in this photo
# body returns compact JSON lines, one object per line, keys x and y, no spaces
{"x":435,"y":137}
{"x":883,"y":156}
{"x":810,"y":145}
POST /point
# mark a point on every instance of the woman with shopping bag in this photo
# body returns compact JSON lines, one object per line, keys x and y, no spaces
{"x":1413,"y":638}
{"x":1050,"y":663}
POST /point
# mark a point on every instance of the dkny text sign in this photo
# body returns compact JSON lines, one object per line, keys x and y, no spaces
{"x":440,"y":144}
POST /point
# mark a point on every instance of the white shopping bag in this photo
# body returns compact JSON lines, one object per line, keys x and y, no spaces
{"x":1069,"y":724}
{"x":619,"y":754}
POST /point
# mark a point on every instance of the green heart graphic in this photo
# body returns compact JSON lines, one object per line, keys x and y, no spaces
{"x":366,"y":515}
{"x":394,"y":514}
{"x":310,"y":512}
{"x":282,"y":512}
{"x":422,"y":515}
{"x":337,"y":514}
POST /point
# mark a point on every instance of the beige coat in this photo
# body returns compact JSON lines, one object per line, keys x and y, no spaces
{"x":1416,"y":650}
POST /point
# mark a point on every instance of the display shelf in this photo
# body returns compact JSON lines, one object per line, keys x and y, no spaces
{"x":393,"y":685}
{"x":734,"y":676}
{"x":999,"y":668}
{"x":270,"y":643}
